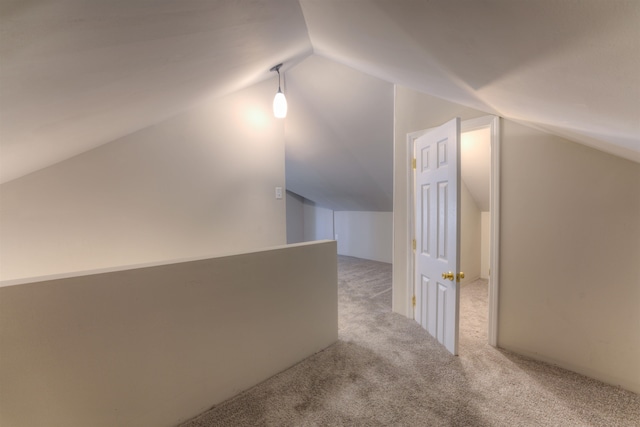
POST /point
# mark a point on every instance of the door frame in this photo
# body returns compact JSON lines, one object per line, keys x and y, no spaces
{"x":493,"y":124}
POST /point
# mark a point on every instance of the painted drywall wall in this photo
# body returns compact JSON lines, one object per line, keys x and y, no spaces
{"x":295,"y":218}
{"x":367,"y":235}
{"x":485,"y":244}
{"x":413,"y":111}
{"x":199,"y":183}
{"x":571,"y":225}
{"x":158,"y":345}
{"x":306,"y":221}
{"x":470,"y":236}
{"x":570,"y":245}
{"x":318,"y":222}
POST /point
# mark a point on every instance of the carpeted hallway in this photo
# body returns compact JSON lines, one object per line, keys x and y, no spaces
{"x":386,"y":370}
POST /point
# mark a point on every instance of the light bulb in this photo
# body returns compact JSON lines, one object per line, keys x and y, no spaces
{"x":280,"y":105}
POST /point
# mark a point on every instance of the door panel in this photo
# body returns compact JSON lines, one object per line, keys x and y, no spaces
{"x":437,"y":225}
{"x":425,"y":245}
{"x":442,"y":220}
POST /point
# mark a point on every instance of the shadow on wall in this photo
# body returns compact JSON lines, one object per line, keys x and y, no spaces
{"x":306,"y":221}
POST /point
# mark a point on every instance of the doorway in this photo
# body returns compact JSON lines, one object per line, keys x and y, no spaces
{"x":489,"y":126}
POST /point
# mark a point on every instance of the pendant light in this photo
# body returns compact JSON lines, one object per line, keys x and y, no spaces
{"x":279,"y":102}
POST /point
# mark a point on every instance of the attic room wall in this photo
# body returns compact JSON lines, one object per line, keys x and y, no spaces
{"x":570,"y":245}
{"x":318,"y":222}
{"x":470,"y":236}
{"x":295,"y":218}
{"x":196,"y":184}
{"x":485,"y":251}
{"x":307,"y":222}
{"x":367,"y":235}
{"x":413,"y":111}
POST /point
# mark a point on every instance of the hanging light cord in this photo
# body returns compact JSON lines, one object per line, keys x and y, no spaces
{"x":277,"y":69}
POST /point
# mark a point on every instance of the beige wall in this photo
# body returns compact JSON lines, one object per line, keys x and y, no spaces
{"x":366,"y":235}
{"x":570,"y":251}
{"x":307,"y":222}
{"x":318,"y":222}
{"x":470,"y":236}
{"x":413,"y":111}
{"x":485,"y":244}
{"x":199,"y":183}
{"x":569,"y":290}
{"x":158,"y":345}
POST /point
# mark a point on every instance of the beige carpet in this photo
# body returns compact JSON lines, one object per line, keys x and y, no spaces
{"x":387,"y":371}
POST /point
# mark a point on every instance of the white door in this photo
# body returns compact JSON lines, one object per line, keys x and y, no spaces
{"x":437,"y":228}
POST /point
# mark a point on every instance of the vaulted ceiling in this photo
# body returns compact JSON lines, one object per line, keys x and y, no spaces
{"x":75,"y":74}
{"x":339,"y":136}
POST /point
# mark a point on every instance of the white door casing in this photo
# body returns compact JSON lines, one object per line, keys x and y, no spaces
{"x":493,"y":124}
{"x":437,"y":232}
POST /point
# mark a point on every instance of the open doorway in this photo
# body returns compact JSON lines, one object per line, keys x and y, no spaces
{"x":475,"y":212}
{"x":479,"y":189}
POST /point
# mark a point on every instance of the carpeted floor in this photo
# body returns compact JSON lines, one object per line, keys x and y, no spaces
{"x":387,"y":371}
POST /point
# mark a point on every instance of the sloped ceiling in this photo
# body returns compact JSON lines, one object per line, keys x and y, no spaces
{"x":75,"y":74}
{"x":339,"y":136}
{"x":572,"y":67}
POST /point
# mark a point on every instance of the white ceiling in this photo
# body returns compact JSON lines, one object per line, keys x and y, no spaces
{"x":339,"y":136}
{"x":568,"y":66}
{"x":75,"y":74}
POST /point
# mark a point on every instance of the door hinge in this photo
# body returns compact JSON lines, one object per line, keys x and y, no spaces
{"x":413,"y":163}
{"x":413,"y":300}
{"x":414,"y":244}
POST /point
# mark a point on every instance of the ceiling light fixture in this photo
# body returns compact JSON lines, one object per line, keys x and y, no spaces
{"x":279,"y":102}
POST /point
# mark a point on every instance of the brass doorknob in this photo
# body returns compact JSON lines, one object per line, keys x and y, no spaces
{"x":460,"y":276}
{"x":448,"y":276}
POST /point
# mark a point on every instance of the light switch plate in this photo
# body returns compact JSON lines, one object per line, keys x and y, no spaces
{"x":278,"y":192}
